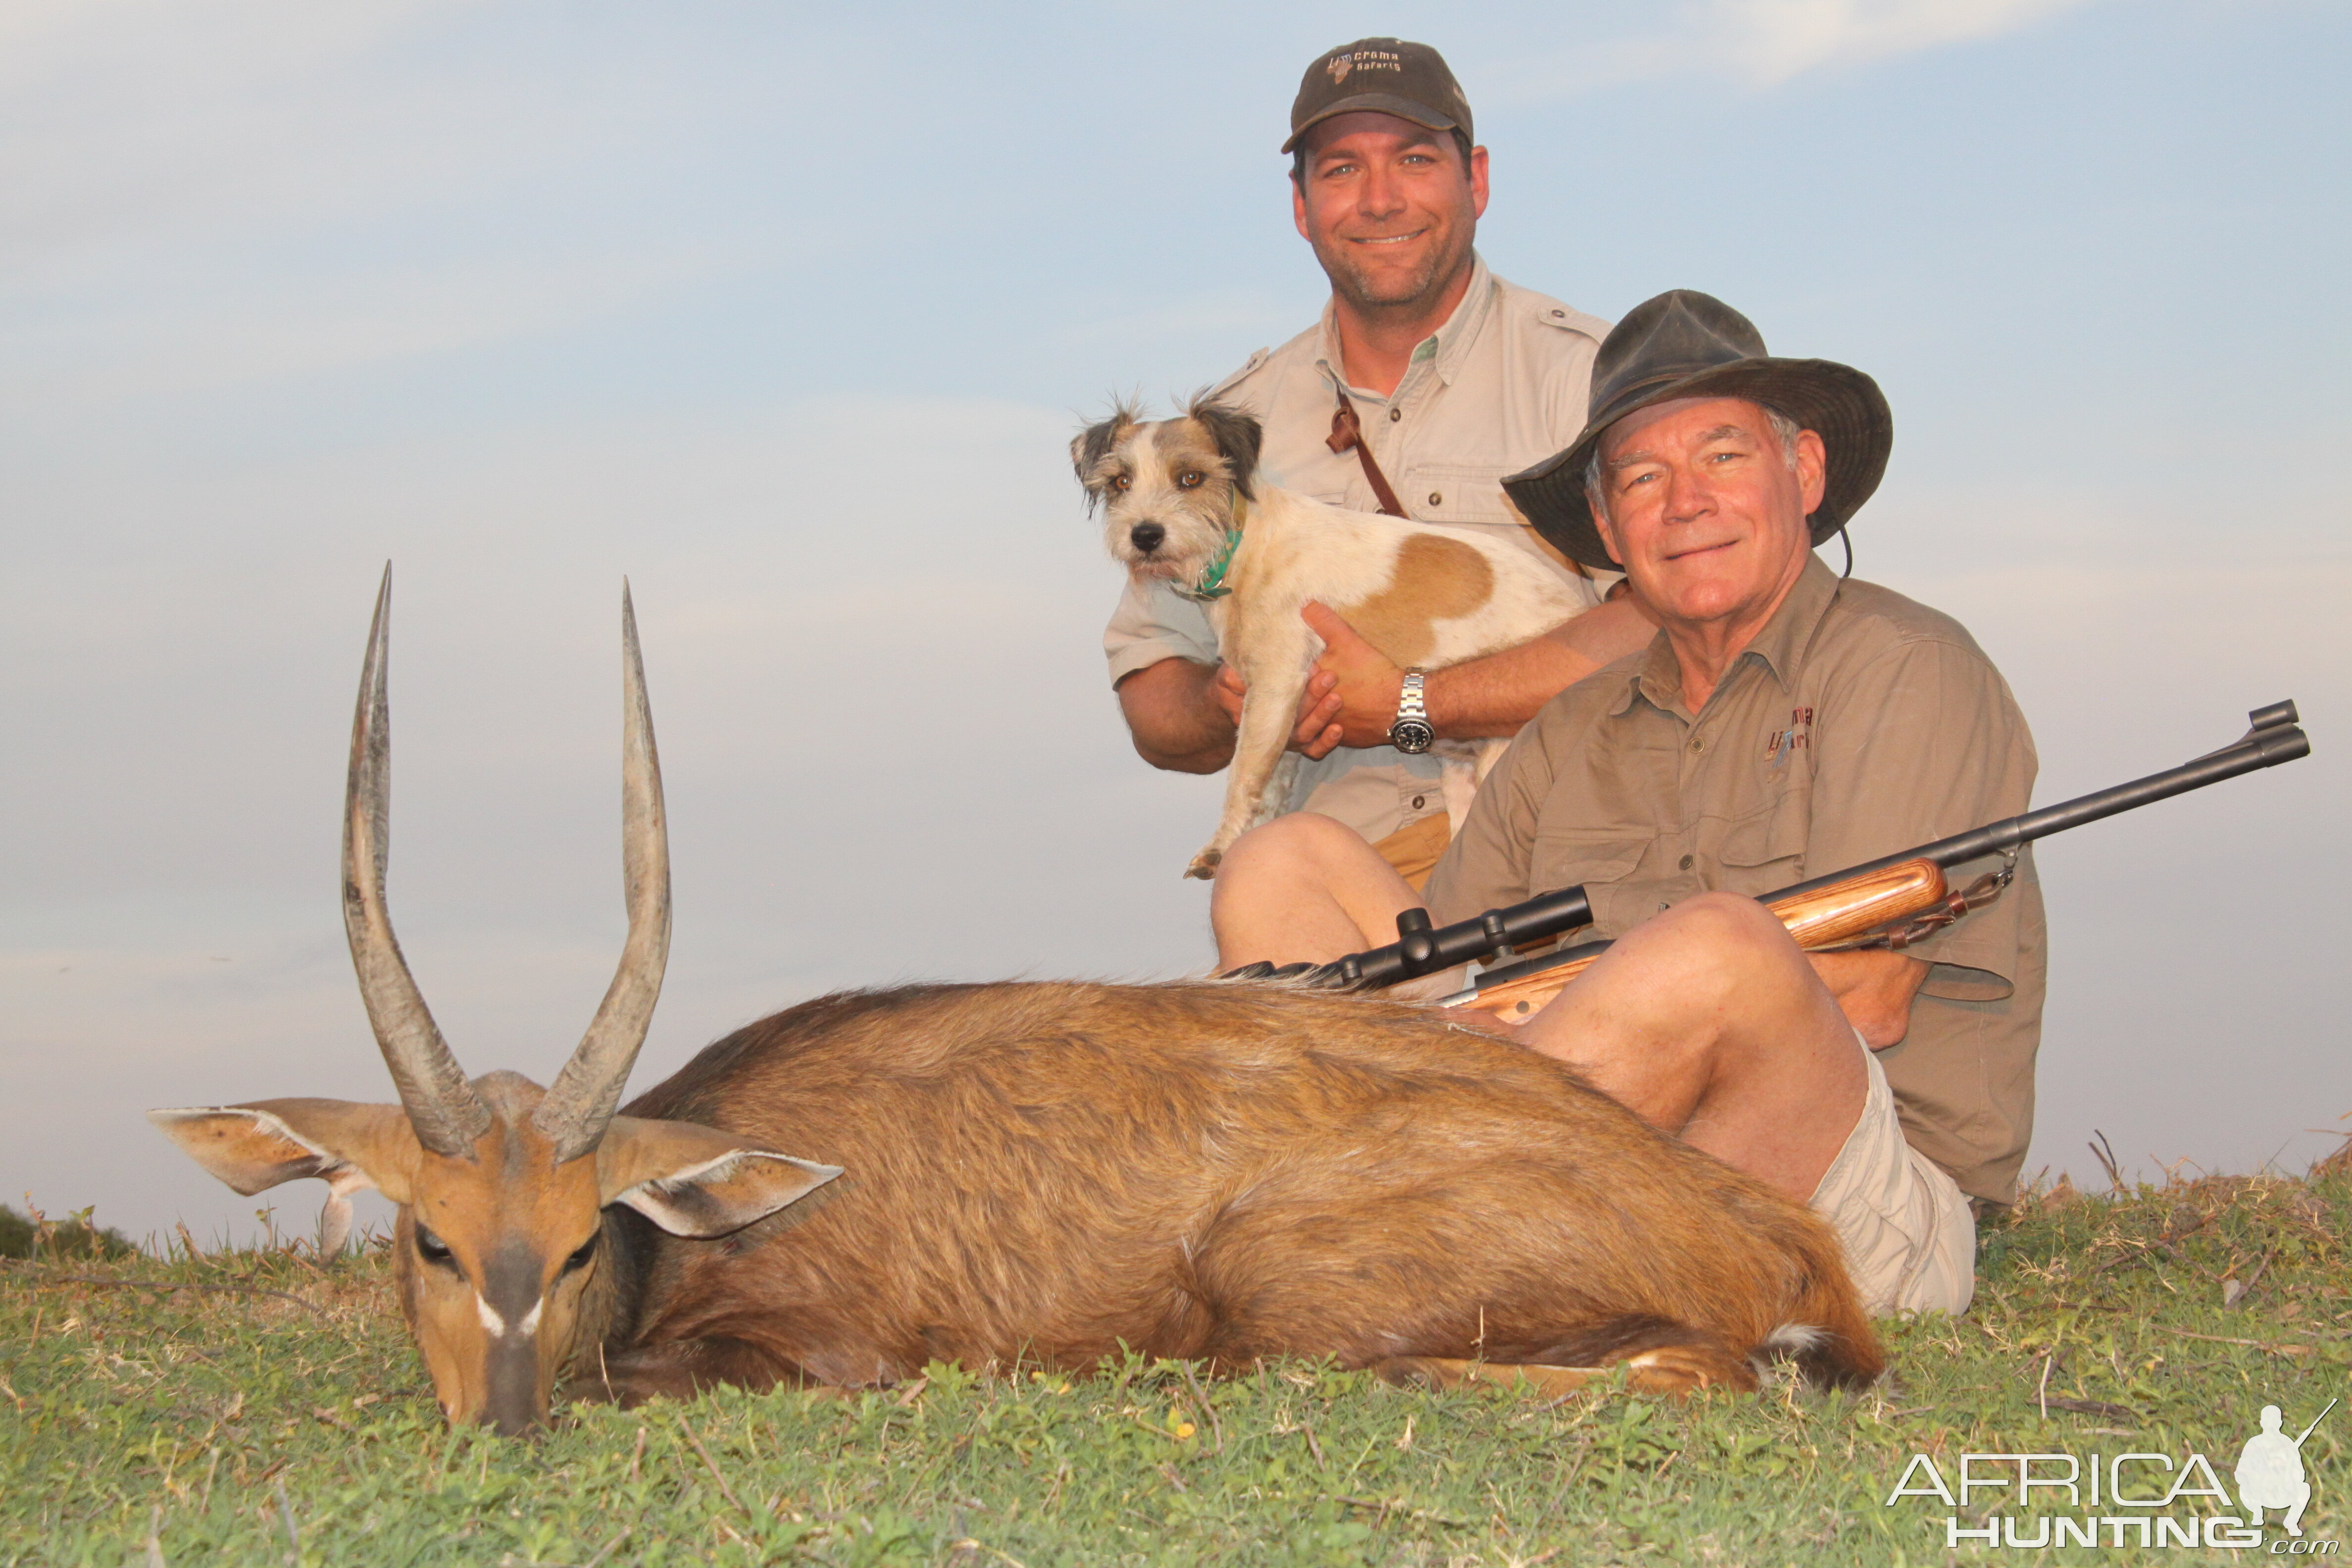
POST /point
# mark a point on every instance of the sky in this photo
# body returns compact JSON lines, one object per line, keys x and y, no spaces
{"x":787,"y":313}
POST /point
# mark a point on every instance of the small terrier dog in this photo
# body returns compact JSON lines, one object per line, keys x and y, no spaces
{"x":1181,"y":503}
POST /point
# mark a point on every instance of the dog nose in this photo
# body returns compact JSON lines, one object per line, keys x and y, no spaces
{"x":1146,"y":536}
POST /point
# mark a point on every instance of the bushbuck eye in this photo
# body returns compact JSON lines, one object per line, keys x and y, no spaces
{"x":1189,"y":481}
{"x":431,"y":1248}
{"x":582,"y":1252}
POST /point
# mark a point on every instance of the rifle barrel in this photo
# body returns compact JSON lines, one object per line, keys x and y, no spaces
{"x":2265,"y":746}
{"x":2273,"y":738}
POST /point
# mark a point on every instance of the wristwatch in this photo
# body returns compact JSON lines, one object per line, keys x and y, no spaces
{"x":1412,"y":731}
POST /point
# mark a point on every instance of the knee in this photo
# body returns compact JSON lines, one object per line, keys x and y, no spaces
{"x":1718,"y":947}
{"x":1304,"y":844}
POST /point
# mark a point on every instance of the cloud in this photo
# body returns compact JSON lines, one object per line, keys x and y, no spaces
{"x":1766,"y":42}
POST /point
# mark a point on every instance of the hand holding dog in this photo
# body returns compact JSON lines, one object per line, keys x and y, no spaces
{"x":1361,"y":676}
{"x":1317,"y":730}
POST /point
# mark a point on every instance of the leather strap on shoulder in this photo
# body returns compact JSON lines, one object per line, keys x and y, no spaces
{"x":1346,"y":433}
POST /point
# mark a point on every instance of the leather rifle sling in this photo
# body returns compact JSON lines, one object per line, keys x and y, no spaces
{"x":1347,"y":431}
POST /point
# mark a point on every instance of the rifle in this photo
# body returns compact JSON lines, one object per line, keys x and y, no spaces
{"x":1888,"y":902}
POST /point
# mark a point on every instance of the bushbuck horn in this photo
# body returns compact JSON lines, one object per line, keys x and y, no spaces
{"x":443,"y":1108}
{"x":585,"y":1094}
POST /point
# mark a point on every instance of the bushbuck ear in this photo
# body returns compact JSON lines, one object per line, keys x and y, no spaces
{"x":254,"y":1147}
{"x":697,"y":1180}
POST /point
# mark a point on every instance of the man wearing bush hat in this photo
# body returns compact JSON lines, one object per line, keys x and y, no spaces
{"x":1782,"y":724}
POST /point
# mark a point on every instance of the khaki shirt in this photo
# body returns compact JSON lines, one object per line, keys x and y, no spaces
{"x":1499,"y":387}
{"x":1858,"y":723}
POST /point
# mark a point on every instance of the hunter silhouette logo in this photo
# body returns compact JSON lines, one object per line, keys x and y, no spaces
{"x":2150,"y":1500}
{"x":2270,"y":1471}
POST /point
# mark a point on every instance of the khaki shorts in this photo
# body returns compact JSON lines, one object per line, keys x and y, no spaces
{"x":1909,"y":1239}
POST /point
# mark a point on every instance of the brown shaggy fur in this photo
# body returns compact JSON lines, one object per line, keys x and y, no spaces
{"x":1223,"y":1171}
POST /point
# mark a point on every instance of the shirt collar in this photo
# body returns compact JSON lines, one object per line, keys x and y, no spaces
{"x":1779,"y":648}
{"x":1452,"y":342}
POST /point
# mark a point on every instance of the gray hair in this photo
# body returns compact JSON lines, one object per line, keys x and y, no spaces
{"x":1785,"y":430}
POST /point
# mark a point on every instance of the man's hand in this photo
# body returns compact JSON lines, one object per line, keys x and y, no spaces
{"x":1315,"y":731}
{"x":1479,"y":699}
{"x":1874,"y":990}
{"x":1359,"y":676}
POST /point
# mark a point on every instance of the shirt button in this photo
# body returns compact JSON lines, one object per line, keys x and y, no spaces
{"x":1418,"y":801}
{"x":1685,"y":862}
{"x":1395,"y":415}
{"x":1436,"y":499}
{"x":1698,"y":745}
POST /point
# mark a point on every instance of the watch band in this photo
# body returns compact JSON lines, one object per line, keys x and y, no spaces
{"x":1412,"y":731}
{"x":1409,"y":702}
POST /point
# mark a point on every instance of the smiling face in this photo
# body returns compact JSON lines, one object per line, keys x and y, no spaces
{"x":1391,"y":208}
{"x":1704,"y":510}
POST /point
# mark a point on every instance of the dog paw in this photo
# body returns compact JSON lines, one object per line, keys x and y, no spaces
{"x":1204,"y":865}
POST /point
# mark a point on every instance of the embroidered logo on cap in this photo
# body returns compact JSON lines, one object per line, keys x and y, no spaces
{"x":1364,"y":59}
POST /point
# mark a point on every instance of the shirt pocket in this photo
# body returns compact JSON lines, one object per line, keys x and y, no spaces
{"x":1585,"y":857}
{"x":1765,"y":850}
{"x":1433,"y":492}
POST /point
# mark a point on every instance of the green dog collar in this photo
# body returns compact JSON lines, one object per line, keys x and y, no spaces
{"x":1212,"y":584}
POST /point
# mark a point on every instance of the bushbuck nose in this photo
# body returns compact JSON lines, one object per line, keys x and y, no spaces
{"x":1146,"y":536}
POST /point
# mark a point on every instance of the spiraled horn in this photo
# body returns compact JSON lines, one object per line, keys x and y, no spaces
{"x":584,"y":1096}
{"x":443,"y":1108}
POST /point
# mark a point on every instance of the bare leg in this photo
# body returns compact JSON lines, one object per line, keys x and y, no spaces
{"x":1303,"y":888}
{"x":1709,"y":1023}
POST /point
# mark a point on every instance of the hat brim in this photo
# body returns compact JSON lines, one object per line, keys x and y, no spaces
{"x":1375,"y":104}
{"x":1838,"y":401}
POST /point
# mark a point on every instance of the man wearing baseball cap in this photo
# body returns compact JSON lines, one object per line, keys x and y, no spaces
{"x":1783,"y":724}
{"x":1426,"y":381}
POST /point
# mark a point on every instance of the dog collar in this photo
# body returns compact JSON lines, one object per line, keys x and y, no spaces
{"x":1212,"y":584}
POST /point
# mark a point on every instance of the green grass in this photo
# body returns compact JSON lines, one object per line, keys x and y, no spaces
{"x":286,"y":1405}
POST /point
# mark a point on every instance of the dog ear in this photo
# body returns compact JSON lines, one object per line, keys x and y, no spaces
{"x":1094,"y":443}
{"x":1237,"y":435}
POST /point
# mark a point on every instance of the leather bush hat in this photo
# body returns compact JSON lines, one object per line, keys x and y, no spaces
{"x":1386,"y":75}
{"x":1684,"y":343}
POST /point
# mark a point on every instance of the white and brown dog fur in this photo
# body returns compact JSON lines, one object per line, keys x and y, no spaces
{"x":1425,"y":594}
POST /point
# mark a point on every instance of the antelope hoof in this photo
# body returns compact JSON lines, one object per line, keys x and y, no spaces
{"x":1204,"y":865}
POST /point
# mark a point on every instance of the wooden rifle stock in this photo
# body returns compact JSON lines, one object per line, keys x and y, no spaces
{"x":1826,"y":912}
{"x":1824,"y":917}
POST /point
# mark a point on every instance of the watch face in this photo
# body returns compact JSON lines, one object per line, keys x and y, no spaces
{"x":1410,"y":736}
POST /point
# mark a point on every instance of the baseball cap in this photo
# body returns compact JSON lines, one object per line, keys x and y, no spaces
{"x":1386,"y":75}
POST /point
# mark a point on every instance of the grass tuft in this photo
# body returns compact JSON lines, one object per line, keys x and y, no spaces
{"x":262,"y":1406}
{"x":38,"y":1236}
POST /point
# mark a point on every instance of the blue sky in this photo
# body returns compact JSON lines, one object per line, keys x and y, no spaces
{"x":787,"y":313}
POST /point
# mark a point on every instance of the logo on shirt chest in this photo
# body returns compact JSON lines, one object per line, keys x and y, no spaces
{"x":1797,"y":737}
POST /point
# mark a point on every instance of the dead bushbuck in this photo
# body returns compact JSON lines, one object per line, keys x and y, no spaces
{"x":992,"y":1175}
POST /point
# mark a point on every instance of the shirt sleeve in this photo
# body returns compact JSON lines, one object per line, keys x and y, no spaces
{"x":1153,"y":622}
{"x":1925,"y":742}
